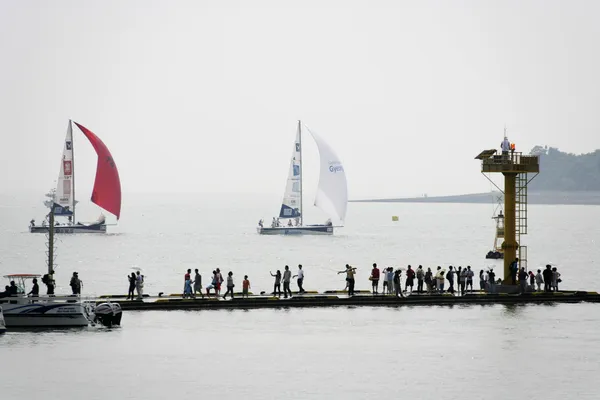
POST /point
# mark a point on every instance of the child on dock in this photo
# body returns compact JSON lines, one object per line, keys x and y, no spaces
{"x":245,"y":286}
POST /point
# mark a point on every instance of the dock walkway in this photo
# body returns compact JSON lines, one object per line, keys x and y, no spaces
{"x":339,"y":298}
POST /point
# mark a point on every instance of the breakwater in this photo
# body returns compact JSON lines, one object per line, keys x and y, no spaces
{"x":338,"y":298}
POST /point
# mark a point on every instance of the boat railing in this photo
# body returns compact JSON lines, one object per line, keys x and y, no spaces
{"x":22,"y":299}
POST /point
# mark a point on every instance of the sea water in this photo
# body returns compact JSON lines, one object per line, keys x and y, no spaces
{"x":533,"y":351}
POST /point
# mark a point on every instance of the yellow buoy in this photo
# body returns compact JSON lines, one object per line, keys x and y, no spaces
{"x":394,"y":218}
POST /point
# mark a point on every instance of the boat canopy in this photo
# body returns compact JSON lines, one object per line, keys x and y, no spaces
{"x":22,"y":276}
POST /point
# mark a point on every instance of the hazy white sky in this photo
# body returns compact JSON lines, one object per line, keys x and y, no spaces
{"x":203,"y":96}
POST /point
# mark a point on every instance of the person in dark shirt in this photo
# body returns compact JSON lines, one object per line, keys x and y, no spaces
{"x":523,"y":280}
{"x":492,"y":281}
{"x":6,"y":292}
{"x":13,"y":290}
{"x":35,"y":290}
{"x":547,"y":278}
{"x":514,"y":269}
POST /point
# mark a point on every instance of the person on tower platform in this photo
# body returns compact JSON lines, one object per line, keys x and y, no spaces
{"x":505,"y":145}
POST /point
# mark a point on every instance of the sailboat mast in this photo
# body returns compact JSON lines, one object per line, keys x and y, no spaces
{"x":301,"y":175}
{"x":72,"y":168}
{"x":51,"y":241}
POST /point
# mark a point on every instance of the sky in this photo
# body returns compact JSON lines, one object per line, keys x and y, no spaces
{"x":204,"y":96}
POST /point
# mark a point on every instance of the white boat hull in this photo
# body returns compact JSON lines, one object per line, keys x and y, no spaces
{"x":43,"y":313}
{"x":94,"y":228}
{"x":2,"y":323}
{"x":297,"y":230}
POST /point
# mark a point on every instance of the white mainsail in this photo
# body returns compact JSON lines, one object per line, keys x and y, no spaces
{"x":291,"y":207}
{"x":64,"y":195}
{"x":332,"y":192}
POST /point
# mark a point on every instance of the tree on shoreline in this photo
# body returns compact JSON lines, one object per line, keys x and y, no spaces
{"x":562,"y":171}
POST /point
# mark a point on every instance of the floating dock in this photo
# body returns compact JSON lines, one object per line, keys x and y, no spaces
{"x":339,"y":298}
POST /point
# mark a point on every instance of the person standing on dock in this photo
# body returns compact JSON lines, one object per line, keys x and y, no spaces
{"x":462,"y":279}
{"x":450,"y":278}
{"x":429,"y":280}
{"x":230,"y":285}
{"x":187,"y":289}
{"x":131,"y":291}
{"x":398,"y":282}
{"x":300,"y":276}
{"x":492,"y":281}
{"x":350,"y":272}
{"x":539,"y":280}
{"x":482,"y":280}
{"x":410,"y":279}
{"x":470,"y":275}
{"x":374,"y":278}
{"x":186,"y":278}
{"x":523,"y":280}
{"x":384,"y":286}
{"x":548,"y":278}
{"x":139,"y":284}
{"x":514,"y":270}
{"x":555,"y":279}
{"x":287,"y":275}
{"x":532,"y":281}
{"x":390,"y":279}
{"x":277,"y":284}
{"x":198,"y":283}
{"x":220,"y":281}
{"x":245,"y":286}
{"x":439,"y":279}
{"x":420,"y":276}
{"x":213,"y":284}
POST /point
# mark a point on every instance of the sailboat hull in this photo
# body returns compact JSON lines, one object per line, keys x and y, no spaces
{"x":96,"y":228}
{"x":297,"y":230}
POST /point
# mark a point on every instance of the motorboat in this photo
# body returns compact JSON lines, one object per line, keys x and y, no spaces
{"x":22,"y":310}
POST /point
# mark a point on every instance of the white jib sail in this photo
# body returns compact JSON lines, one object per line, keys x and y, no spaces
{"x":64,"y":188}
{"x":291,"y":207}
{"x":332,"y":192}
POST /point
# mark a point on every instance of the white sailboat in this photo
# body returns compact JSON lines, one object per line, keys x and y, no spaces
{"x":106,"y":192}
{"x":332,"y":193}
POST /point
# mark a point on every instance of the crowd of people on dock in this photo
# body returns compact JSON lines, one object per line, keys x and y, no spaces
{"x":459,"y":281}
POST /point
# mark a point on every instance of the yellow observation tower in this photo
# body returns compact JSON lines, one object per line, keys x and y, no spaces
{"x":516,"y":168}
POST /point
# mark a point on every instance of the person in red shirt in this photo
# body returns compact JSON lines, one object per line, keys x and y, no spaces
{"x":375,"y":279}
{"x":245,"y":286}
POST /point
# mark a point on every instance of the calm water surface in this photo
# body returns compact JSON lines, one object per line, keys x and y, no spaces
{"x":494,"y":352}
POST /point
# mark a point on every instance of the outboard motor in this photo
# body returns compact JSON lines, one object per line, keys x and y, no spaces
{"x":108,"y":314}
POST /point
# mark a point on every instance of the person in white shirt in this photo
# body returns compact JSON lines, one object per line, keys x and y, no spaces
{"x":539,"y":280}
{"x":287,"y":274}
{"x":300,"y":276}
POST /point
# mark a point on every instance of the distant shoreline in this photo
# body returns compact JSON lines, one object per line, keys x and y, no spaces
{"x":591,"y":198}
